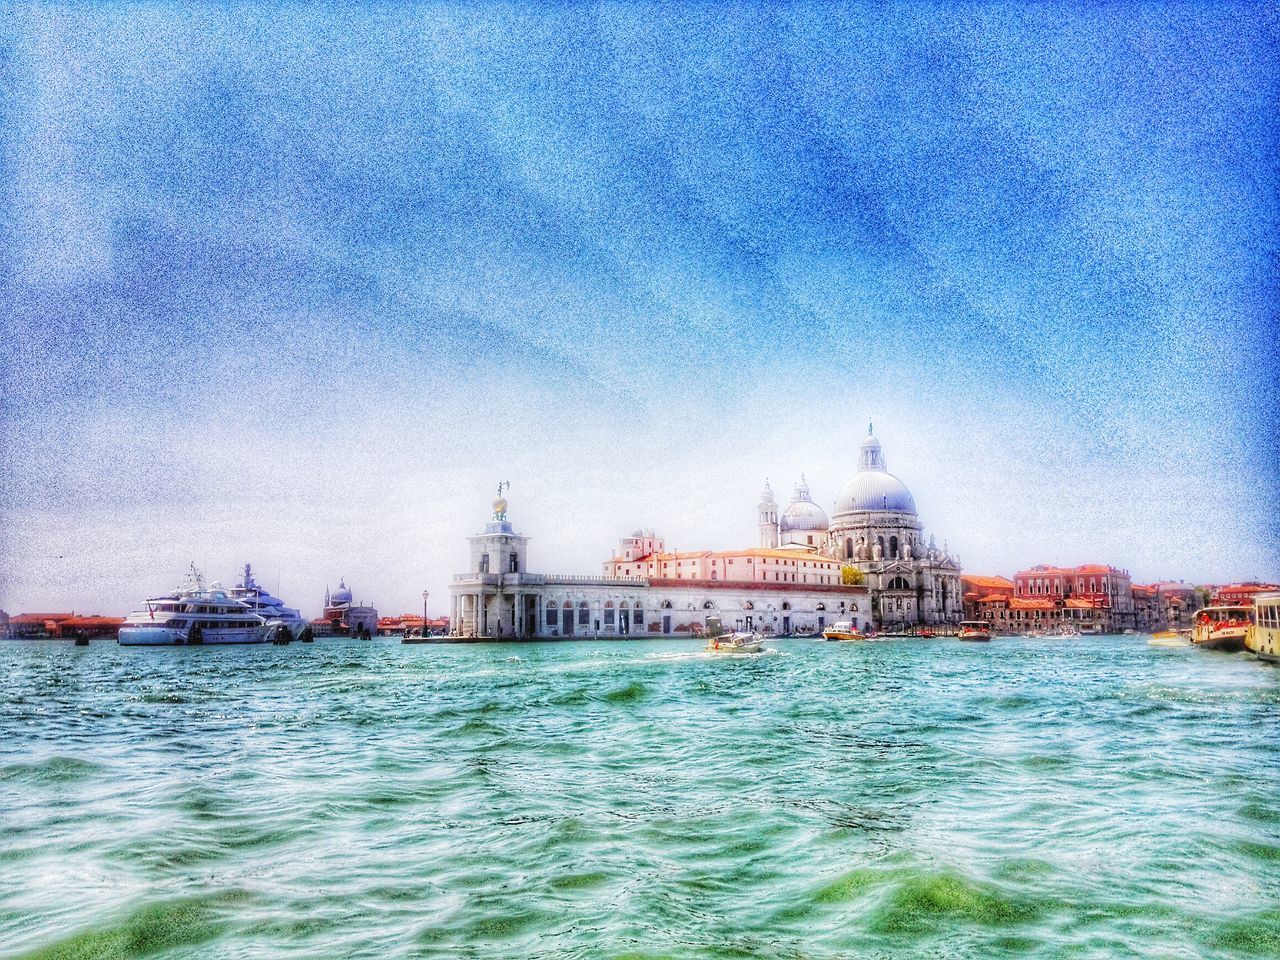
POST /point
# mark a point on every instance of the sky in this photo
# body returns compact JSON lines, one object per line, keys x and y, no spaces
{"x":300,"y":288}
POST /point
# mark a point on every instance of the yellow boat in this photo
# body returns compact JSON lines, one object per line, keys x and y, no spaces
{"x":1263,"y":636}
{"x":844,"y":630}
{"x":1168,"y":638}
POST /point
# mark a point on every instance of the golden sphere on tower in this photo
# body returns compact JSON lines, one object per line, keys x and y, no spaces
{"x":500,"y":505}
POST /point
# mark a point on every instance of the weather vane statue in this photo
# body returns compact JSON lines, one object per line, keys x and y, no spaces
{"x":500,"y":504}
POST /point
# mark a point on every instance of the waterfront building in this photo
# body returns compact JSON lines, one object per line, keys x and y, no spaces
{"x":36,"y":626}
{"x":88,"y":627}
{"x":343,"y":616}
{"x":646,"y":590}
{"x":978,"y":589}
{"x":1241,"y":594}
{"x":1106,"y":590}
{"x":868,"y":562}
{"x":1181,"y":602}
{"x":1150,"y":613}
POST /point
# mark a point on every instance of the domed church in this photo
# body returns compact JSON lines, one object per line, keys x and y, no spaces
{"x":875,"y":529}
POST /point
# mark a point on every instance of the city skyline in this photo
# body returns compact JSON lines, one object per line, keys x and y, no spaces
{"x":300,"y":292}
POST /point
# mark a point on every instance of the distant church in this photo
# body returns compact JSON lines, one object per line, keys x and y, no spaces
{"x":799,"y":580}
{"x":876,"y":530}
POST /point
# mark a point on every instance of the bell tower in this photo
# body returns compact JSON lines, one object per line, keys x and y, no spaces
{"x":768,"y":509}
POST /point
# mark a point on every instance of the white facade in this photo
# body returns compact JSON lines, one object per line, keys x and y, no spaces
{"x":499,"y":598}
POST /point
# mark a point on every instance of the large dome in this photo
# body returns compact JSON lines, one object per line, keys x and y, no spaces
{"x":342,"y":594}
{"x":874,"y":490}
{"x":873,"y":487}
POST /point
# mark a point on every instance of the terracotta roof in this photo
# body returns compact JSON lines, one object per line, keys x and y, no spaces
{"x":1026,"y":603}
{"x":989,"y":583}
{"x":40,"y":617}
{"x":1077,"y":603}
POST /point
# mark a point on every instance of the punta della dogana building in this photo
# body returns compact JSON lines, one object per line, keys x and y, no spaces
{"x":868,"y":564}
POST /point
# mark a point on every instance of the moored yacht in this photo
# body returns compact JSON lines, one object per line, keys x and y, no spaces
{"x":1263,"y":636}
{"x":1221,"y":627}
{"x":190,"y":616}
{"x":282,"y":623}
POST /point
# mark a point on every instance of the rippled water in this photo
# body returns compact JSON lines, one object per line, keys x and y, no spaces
{"x":1090,"y":797}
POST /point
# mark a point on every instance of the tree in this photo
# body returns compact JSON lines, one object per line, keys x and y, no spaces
{"x":851,"y":576}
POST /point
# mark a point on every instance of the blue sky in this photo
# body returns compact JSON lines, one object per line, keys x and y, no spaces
{"x":301,"y":287}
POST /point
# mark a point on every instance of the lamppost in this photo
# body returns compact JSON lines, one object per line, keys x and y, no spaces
{"x":424,"y":612}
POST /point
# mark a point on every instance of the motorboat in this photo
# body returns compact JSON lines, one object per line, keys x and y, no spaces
{"x":975,"y":631}
{"x":843,"y":631}
{"x":720,"y":640}
{"x":1222,"y":627}
{"x":1168,"y":638}
{"x":192,"y":615}
{"x":283,"y":624}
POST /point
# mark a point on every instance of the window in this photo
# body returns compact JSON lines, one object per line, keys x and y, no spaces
{"x":893,"y":547}
{"x":608,"y":615}
{"x":584,"y":614}
{"x":484,"y":563}
{"x":822,"y":606}
{"x":513,"y":565}
{"x":708,"y":605}
{"x":553,"y":615}
{"x":786,"y":605}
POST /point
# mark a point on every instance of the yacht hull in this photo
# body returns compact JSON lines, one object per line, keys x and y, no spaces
{"x":166,"y":637}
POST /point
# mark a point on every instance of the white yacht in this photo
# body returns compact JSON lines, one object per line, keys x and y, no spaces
{"x":283,"y":623}
{"x":192,"y":615}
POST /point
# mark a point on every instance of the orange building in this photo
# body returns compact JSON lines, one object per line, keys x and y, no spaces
{"x":1241,"y":594}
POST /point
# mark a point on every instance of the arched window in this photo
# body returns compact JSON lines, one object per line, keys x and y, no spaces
{"x":898,"y":583}
{"x":553,"y":614}
{"x":893,"y":547}
{"x":708,"y":605}
{"x":848,"y":548}
{"x":821,"y":607}
{"x":568,"y":604}
{"x":666,"y":604}
{"x":880,"y":544}
{"x":748,"y":605}
{"x":584,"y":614}
{"x":608,"y":604}
{"x":786,"y":605}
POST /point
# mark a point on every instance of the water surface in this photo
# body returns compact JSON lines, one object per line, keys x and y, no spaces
{"x":1047,"y":798}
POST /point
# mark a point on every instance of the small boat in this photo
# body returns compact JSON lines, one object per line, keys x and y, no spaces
{"x":1222,"y":627}
{"x":1168,"y":638}
{"x":720,"y":640}
{"x":977,"y":631}
{"x":1263,"y":636}
{"x":844,"y":630}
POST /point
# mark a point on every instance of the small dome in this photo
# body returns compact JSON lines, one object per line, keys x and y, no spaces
{"x":341,"y":595}
{"x":802,"y":513}
{"x":766,"y":496}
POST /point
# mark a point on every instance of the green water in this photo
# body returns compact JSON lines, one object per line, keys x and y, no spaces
{"x":1047,"y":798}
